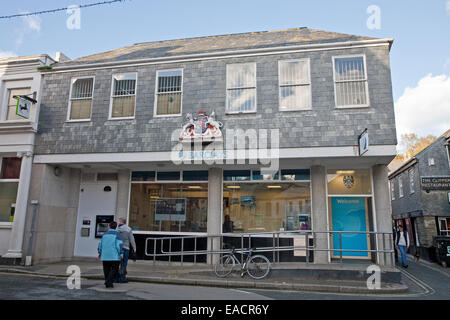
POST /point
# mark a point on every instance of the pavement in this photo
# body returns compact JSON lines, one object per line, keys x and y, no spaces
{"x":282,"y":276}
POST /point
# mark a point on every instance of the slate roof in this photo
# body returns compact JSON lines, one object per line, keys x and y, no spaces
{"x":210,"y":44}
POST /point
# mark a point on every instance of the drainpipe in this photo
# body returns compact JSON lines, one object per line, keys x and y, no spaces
{"x":28,"y":258}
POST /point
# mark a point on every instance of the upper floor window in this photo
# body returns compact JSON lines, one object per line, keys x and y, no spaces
{"x":169,"y":91}
{"x":350,"y":82}
{"x":123,"y":96}
{"x":12,"y":102}
{"x":400,"y":187}
{"x":411,"y":181}
{"x":241,"y":88}
{"x":80,"y":105}
{"x":295,"y":85}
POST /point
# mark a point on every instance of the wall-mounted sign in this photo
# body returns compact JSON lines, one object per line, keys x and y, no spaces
{"x":23,"y":108}
{"x":363,"y":142}
{"x":435,"y":183}
{"x":202,"y":127}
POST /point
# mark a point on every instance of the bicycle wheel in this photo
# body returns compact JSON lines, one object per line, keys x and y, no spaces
{"x":258,"y":267}
{"x":224,"y":266}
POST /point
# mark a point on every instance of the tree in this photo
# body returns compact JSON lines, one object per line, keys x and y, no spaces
{"x":413,"y":144}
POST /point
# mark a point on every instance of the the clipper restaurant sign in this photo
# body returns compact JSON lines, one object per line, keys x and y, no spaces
{"x":435,"y":183}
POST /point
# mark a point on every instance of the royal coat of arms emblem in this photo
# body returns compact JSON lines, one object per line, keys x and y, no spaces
{"x":202,"y":127}
{"x":349,"y":181}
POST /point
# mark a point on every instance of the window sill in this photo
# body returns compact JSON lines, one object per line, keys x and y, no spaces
{"x":121,"y":118}
{"x":75,"y":121}
{"x":359,"y":106}
{"x":294,"y":110}
{"x":6,"y":225}
{"x":166,"y":115}
{"x":240,"y":112}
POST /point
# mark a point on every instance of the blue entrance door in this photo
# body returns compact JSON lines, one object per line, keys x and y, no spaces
{"x":349,"y":214}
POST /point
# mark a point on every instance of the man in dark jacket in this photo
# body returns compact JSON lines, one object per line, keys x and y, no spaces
{"x":402,"y":243}
{"x":128,"y":245}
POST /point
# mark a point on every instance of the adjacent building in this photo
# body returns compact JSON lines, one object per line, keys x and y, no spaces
{"x":20,"y":79}
{"x":262,"y":127}
{"x":420,"y":194}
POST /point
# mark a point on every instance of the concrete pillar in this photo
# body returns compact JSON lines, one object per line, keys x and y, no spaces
{"x":383,"y":212}
{"x":18,"y":229}
{"x":123,"y":189}
{"x":214,"y":224}
{"x":319,"y":212}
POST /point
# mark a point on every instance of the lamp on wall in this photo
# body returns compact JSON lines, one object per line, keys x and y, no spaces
{"x":57,"y":171}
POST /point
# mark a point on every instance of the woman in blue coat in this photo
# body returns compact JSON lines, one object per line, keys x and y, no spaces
{"x":110,"y":252}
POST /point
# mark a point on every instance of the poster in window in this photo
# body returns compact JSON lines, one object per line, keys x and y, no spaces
{"x":170,"y":209}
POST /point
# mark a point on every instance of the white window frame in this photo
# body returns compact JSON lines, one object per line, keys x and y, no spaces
{"x":411,"y":181}
{"x":448,"y":152}
{"x":392,"y":183}
{"x":255,"y":87}
{"x":447,"y":231}
{"x":12,"y":85}
{"x":110,"y":117}
{"x":72,"y":81}
{"x":400,"y":188}
{"x":302,"y":84}
{"x":365,"y":79}
{"x":155,"y":104}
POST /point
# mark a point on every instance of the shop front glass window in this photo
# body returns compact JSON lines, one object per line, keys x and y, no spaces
{"x":8,"y":195}
{"x":169,"y":207}
{"x":266,"y":207}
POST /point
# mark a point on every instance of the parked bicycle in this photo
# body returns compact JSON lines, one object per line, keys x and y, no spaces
{"x":257,"y":266}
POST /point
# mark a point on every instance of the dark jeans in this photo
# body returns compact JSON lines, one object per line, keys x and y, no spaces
{"x":123,"y":277}
{"x":110,"y":270}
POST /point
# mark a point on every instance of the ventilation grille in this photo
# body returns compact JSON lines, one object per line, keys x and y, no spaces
{"x":88,"y":177}
{"x":107,"y":177}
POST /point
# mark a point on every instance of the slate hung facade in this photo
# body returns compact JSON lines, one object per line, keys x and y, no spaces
{"x":106,"y":135}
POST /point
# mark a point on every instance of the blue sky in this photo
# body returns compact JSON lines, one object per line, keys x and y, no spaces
{"x":420,"y":57}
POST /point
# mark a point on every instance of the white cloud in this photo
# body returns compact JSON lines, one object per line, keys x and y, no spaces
{"x":424,"y":109}
{"x":32,"y":22}
{"x":7,"y":54}
{"x":447,"y":62}
{"x":447,"y":6}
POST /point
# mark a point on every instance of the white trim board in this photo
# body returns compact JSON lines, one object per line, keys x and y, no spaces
{"x":163,"y":156}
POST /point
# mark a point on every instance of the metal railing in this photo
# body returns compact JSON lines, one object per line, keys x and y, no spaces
{"x":382,"y":246}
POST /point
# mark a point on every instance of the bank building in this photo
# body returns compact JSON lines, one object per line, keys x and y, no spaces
{"x":281,"y":135}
